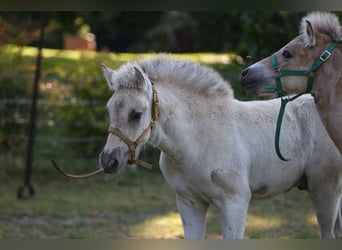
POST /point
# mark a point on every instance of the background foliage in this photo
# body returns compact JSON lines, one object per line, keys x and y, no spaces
{"x":247,"y":33}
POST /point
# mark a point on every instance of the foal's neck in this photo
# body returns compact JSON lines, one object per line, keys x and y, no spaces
{"x":182,"y":114}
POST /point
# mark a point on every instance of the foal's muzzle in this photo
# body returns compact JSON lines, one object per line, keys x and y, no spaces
{"x":112,"y":162}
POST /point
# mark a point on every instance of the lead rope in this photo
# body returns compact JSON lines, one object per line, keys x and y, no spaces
{"x":284,"y":101}
{"x":72,"y":176}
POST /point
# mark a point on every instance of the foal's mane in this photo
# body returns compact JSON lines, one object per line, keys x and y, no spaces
{"x":325,"y":22}
{"x":166,"y":69}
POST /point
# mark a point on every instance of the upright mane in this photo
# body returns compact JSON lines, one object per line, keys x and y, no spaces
{"x":324,"y":22}
{"x":166,"y":69}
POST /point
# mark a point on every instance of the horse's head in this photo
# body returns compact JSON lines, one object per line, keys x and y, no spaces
{"x":289,"y":69}
{"x":130,"y":116}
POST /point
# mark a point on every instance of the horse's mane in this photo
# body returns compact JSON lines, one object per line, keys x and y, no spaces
{"x":164,"y":68}
{"x":325,"y":22}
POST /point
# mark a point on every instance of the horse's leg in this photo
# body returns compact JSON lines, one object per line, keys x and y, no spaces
{"x":233,"y":216}
{"x":327,"y":202}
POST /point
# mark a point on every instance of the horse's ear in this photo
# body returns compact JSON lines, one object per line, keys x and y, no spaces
{"x":310,"y":34}
{"x":108,"y":74}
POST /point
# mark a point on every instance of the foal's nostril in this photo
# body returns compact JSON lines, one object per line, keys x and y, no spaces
{"x":112,"y":166}
{"x":244,"y":73}
{"x":114,"y":163}
{"x":108,"y":162}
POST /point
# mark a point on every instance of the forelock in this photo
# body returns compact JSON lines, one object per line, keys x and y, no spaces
{"x":325,"y":22}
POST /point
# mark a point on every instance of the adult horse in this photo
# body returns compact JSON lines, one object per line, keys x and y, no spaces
{"x":214,"y":148}
{"x":312,"y":61}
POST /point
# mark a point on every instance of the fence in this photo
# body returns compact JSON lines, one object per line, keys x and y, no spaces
{"x":68,"y":127}
{"x":54,"y":136}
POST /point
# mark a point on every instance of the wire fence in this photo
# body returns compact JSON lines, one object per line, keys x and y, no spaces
{"x":53,"y":134}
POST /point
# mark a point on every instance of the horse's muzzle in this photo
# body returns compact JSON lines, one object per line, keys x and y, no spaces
{"x":253,"y":81}
{"x":112,"y":162}
{"x":248,"y":82}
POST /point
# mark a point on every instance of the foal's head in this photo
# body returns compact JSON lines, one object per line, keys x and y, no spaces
{"x":317,"y":32}
{"x":129,"y":112}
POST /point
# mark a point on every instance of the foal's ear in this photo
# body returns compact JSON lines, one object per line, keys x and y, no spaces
{"x":141,"y":78}
{"x":108,"y":74}
{"x":310,"y":34}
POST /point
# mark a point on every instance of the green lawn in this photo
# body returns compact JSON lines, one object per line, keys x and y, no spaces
{"x":134,"y":204}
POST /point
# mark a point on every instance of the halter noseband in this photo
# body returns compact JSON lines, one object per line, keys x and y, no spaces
{"x":310,"y":74}
{"x":132,"y":145}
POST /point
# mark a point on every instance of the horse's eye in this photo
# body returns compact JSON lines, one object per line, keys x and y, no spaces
{"x":134,"y":116}
{"x":286,"y":54}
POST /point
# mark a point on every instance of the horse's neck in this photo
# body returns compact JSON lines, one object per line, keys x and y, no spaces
{"x":328,"y":83}
{"x":327,"y":92}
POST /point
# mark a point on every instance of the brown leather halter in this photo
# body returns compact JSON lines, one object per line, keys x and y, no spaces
{"x":132,"y":145}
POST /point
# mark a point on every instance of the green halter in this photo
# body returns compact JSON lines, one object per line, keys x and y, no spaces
{"x":278,"y":88}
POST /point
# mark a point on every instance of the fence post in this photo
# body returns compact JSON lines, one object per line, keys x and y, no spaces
{"x":32,"y":123}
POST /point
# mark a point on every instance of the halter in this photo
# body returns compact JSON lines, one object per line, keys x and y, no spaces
{"x":132,"y":145}
{"x":310,"y":74}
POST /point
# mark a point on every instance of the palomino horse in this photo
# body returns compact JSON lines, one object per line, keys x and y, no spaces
{"x":312,"y":62}
{"x":214,"y":148}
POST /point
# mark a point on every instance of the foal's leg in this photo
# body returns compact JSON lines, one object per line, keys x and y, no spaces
{"x":193,"y":213}
{"x":192,"y":210}
{"x":338,"y":224}
{"x":327,"y":204}
{"x":233,"y":216}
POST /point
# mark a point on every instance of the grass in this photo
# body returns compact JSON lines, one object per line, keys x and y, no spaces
{"x":134,"y":204}
{"x":103,"y":207}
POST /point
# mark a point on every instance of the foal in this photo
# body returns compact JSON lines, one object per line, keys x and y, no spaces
{"x":215,"y":149}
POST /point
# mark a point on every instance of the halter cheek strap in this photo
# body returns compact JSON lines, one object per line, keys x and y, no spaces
{"x":310,"y":74}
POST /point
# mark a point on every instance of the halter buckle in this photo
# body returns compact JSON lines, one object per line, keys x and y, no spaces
{"x":155,"y":98}
{"x":325,"y":56}
{"x":278,"y":72}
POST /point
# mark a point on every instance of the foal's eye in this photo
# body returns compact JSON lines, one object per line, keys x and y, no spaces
{"x":286,"y":54}
{"x":134,"y":116}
